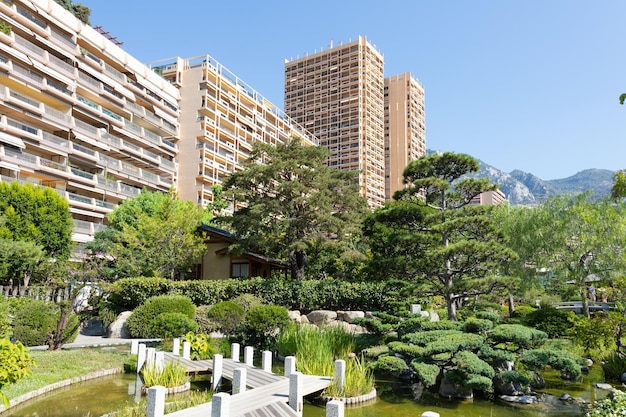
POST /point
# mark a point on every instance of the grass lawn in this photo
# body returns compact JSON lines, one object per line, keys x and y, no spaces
{"x":55,"y":366}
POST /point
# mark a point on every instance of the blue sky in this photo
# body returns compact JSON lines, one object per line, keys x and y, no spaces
{"x":530,"y":85}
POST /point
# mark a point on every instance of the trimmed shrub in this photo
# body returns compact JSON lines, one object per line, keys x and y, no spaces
{"x":130,"y":293}
{"x":33,"y":320}
{"x":262,"y":325}
{"x":556,"y":323}
{"x":426,"y":372}
{"x":169,"y":325}
{"x":139,"y":321}
{"x":5,"y":320}
{"x":247,"y":301}
{"x":518,"y":335}
{"x":523,"y":310}
{"x":476,"y":325}
{"x":389,"y":365}
{"x":205,"y":326}
{"x":489,"y":315}
{"x":226,"y":316}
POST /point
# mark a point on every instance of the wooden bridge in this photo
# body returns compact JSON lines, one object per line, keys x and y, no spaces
{"x":269,"y":394}
{"x":577,"y":306}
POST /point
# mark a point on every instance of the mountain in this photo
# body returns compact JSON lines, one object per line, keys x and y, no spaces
{"x":524,"y":188}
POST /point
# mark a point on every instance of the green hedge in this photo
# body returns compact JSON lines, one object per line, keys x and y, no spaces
{"x":331,"y":294}
{"x":139,"y":323}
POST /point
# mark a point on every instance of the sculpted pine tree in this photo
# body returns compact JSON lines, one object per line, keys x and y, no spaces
{"x":432,"y":234}
{"x":288,"y":199}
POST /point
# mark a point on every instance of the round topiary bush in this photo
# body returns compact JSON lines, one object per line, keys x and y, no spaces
{"x":139,"y":321}
{"x":247,"y":301}
{"x":226,"y":316}
{"x":169,"y":325}
{"x":262,"y":325}
{"x":556,"y":323}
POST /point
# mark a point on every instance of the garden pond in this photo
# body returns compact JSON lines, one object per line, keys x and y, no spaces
{"x":103,"y":395}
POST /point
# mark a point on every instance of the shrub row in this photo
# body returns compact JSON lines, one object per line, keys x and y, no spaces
{"x":310,"y":294}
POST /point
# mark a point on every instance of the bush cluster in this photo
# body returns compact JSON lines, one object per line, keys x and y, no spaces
{"x":140,"y":322}
{"x":34,"y":319}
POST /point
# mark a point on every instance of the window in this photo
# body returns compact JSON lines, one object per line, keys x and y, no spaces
{"x":240,"y":270}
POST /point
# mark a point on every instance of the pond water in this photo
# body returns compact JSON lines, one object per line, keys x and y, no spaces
{"x":101,"y":396}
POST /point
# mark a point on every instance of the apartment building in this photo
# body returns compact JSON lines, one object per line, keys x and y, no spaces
{"x":405,"y":130}
{"x":220,"y":118}
{"x":338,"y":95}
{"x":80,"y":115}
{"x":489,"y":198}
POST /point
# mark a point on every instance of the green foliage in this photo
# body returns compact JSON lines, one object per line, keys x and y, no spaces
{"x":359,"y":380}
{"x":328,"y":294}
{"x":226,"y":316}
{"x":493,"y":316}
{"x":262,"y":325}
{"x":595,"y":335}
{"x":374,"y":326}
{"x":108,"y":312}
{"x":38,"y":215}
{"x":168,"y":325}
{"x":205,"y":325}
{"x":556,"y":323}
{"x":202,"y":347}
{"x":33,"y":321}
{"x":139,"y":321}
{"x":471,"y":371}
{"x":614,"y":405}
{"x":5,"y":320}
{"x":80,"y":11}
{"x":513,"y":377}
{"x":476,"y":325}
{"x":5,"y":27}
{"x":292,"y":201}
{"x":614,"y":365}
{"x":247,"y":301}
{"x":492,"y":355}
{"x":426,"y":372}
{"x":130,"y":364}
{"x":152,"y":234}
{"x":523,"y":310}
{"x":516,"y":336}
{"x":411,"y":325}
{"x":16,"y":364}
{"x":567,"y":363}
{"x":433,"y":236}
{"x":173,"y":374}
{"x":389,"y":365}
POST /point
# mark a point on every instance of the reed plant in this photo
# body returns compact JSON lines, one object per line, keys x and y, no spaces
{"x":171,"y":375}
{"x":359,"y":380}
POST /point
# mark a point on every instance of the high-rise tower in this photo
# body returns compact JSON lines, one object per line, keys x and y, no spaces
{"x":338,"y":96}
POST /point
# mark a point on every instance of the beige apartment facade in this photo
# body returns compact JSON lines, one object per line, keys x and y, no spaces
{"x":338,"y":96}
{"x":220,"y":117}
{"x":80,"y":115}
{"x":405,"y":130}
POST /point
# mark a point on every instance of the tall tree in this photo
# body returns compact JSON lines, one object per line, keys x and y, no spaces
{"x":288,"y":199}
{"x":435,"y":237}
{"x":152,"y":234}
{"x":618,"y":191}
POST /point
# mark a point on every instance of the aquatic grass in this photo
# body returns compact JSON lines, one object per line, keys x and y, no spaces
{"x":359,"y":380}
{"x":171,"y":375}
{"x":55,"y":366}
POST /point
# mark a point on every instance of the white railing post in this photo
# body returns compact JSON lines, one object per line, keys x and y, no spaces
{"x":218,"y":364}
{"x":266,"y":361}
{"x":234,"y":352}
{"x":220,"y":405}
{"x":335,"y":408}
{"x":134,"y":347}
{"x":159,"y":360}
{"x":239,"y":380}
{"x":186,"y":350}
{"x":248,"y":355}
{"x":340,"y":373}
{"x":150,"y":355}
{"x":156,"y":401}
{"x":295,"y":392}
{"x":290,"y":365}
{"x":176,"y":346}
{"x":141,"y":356}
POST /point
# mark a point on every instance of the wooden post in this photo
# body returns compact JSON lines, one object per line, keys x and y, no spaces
{"x":239,"y":380}
{"x":220,"y":405}
{"x":295,"y":392}
{"x":156,"y":401}
{"x":266,"y":361}
{"x":218,"y":363}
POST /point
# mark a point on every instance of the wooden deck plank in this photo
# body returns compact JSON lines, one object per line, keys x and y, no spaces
{"x":266,"y":396}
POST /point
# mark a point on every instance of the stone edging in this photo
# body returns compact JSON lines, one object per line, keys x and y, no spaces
{"x":66,"y":382}
{"x":354,"y":400}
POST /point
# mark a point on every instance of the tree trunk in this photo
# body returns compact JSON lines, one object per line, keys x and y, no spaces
{"x":297,"y":260}
{"x":511,"y":305}
{"x":451,"y":302}
{"x":583,"y":294}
